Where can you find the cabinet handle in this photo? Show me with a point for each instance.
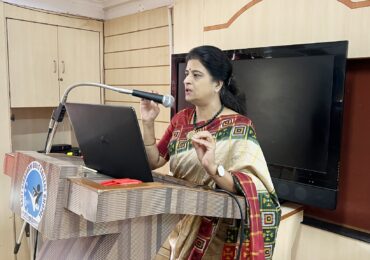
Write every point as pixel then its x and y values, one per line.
pixel 55 66
pixel 60 79
pixel 63 67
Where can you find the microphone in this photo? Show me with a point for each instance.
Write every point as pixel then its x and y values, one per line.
pixel 166 100
pixel 58 113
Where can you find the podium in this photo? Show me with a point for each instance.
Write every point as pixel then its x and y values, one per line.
pixel 77 218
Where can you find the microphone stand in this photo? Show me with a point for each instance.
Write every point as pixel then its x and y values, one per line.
pixel 58 113
pixel 57 117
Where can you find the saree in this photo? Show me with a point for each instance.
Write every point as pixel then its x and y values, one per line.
pixel 238 150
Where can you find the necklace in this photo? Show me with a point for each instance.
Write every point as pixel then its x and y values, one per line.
pixel 198 128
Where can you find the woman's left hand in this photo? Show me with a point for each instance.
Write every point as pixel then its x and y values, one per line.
pixel 205 146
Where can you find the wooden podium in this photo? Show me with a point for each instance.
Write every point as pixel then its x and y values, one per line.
pixel 80 219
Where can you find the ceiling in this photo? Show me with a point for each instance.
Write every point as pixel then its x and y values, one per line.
pixel 99 9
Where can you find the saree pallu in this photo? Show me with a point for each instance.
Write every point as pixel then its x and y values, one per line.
pixel 237 149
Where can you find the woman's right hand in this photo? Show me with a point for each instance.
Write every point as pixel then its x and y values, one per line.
pixel 149 110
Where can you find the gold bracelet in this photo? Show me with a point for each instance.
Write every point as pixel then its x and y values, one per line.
pixel 150 144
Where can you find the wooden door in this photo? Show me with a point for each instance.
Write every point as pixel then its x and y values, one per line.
pixel 33 64
pixel 79 61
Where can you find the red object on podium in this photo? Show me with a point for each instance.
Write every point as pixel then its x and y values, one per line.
pixel 124 181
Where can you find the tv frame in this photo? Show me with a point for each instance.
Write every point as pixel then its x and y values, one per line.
pixel 298 185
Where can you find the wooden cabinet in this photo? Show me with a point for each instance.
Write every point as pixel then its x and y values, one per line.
pixel 44 60
pixel 33 64
pixel 79 62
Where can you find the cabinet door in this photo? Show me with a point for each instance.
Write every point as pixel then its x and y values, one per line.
pixel 33 61
pixel 79 61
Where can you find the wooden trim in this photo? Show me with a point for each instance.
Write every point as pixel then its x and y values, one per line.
pixel 299 209
pixel 139 49
pixel 136 22
pixel 137 40
pixel 138 67
pixel 141 30
pixel 233 18
pixel 53 24
pixel 355 5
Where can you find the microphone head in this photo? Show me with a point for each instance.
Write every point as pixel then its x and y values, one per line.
pixel 168 101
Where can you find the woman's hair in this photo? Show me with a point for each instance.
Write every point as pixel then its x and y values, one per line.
pixel 220 68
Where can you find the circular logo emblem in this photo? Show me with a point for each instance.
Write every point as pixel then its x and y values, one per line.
pixel 33 194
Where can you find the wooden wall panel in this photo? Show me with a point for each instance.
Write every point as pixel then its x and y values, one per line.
pixel 188 24
pixel 271 23
pixel 138 58
pixel 136 22
pixel 156 37
pixel 261 23
pixel 138 76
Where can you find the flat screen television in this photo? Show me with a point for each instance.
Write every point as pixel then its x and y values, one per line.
pixel 294 96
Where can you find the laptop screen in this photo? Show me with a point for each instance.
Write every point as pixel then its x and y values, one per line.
pixel 110 140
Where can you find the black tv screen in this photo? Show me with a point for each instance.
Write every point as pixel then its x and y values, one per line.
pixel 294 96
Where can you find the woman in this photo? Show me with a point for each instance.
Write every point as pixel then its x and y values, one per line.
pixel 213 144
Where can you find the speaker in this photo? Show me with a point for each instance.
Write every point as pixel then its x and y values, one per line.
pixel 305 194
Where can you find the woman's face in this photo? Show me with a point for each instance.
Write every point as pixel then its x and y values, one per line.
pixel 200 87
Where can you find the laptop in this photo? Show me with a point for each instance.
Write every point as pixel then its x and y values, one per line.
pixel 110 140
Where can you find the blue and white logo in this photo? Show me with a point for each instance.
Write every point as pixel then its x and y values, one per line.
pixel 33 194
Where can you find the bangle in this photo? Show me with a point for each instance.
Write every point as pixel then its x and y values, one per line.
pixel 151 144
